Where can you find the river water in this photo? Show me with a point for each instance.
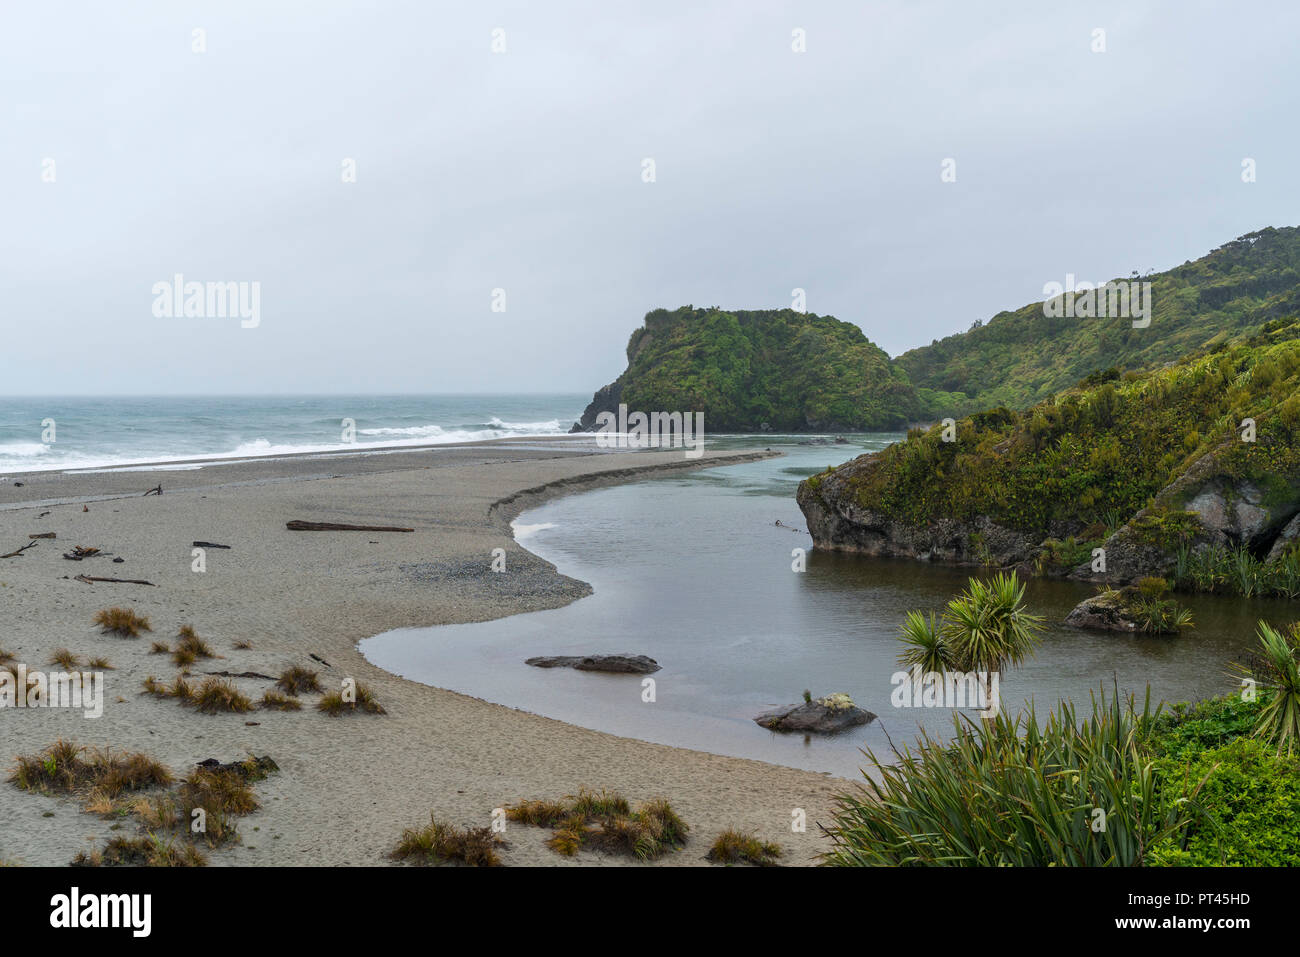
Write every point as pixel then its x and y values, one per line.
pixel 692 570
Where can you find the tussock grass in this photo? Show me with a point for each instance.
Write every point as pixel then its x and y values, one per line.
pixel 275 701
pixel 192 643
pixel 100 664
pixel 147 851
pixel 439 843
pixel 222 792
pixel 733 847
pixel 65 767
pixel 160 648
pixel 212 695
pixel 216 695
pixel 6 657
pixel 605 821
pixel 121 621
pixel 296 679
pixel 334 703
pixel 179 688
pixel 65 659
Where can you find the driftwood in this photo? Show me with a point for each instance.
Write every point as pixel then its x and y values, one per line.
pixel 20 551
pixel 210 545
pixel 116 581
pixel 43 535
pixel 156 490
pixel 315 657
pixel 297 526
pixel 242 674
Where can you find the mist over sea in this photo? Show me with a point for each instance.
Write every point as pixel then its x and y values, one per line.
pixel 50 433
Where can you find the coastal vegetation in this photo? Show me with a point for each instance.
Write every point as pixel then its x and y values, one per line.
pixel 122 622
pixel 296 679
pixel 605 821
pixel 439 843
pixel 737 847
pixel 1191 471
pixel 1021 357
pixel 360 699
pixel 983 630
pixel 66 767
pixel 790 371
pixel 1213 783
pixel 752 371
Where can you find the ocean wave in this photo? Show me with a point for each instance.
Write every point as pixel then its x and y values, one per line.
pixel 35 457
pixel 22 450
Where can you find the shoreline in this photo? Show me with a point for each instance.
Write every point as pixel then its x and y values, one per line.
pixel 295 594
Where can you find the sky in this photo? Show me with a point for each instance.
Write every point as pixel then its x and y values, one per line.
pixel 488 197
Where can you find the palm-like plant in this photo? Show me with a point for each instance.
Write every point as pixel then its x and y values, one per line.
pixel 987 626
pixel 984 629
pixel 1276 669
pixel 925 645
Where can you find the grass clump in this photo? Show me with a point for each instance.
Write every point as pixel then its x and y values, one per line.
pixel 337 702
pixel 277 701
pixel 147 851
pixel 605 821
pixel 296 679
pixel 160 648
pixel 217 695
pixel 64 658
pixel 1012 791
pixel 121 621
pixel 100 664
pixel 734 847
pixel 191 642
pixel 439 843
pixel 179 688
pixel 65 767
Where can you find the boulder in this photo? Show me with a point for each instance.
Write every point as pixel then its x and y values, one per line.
pixel 615 664
pixel 828 715
pixel 1104 612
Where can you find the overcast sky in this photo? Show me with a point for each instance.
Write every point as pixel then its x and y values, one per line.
pixel 522 170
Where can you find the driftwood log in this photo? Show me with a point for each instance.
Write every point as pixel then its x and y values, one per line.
pixel 116 581
pixel 44 535
pixel 210 545
pixel 296 526
pixel 156 490
pixel 20 551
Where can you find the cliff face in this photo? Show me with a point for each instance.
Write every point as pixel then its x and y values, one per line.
pixel 1158 469
pixel 779 371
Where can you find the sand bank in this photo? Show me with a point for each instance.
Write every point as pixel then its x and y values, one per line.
pixel 348 786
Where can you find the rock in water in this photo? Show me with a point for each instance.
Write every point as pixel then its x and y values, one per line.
pixel 617 664
pixel 1107 612
pixel 827 715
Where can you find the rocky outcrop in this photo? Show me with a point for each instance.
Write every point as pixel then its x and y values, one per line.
pixel 837 521
pixel 615 664
pixel 605 400
pixel 1105 612
pixel 828 715
pixel 1211 509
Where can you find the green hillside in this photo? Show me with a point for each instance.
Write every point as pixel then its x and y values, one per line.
pixel 786 370
pixel 1020 357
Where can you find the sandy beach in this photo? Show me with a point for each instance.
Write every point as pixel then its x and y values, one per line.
pixel 348 786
